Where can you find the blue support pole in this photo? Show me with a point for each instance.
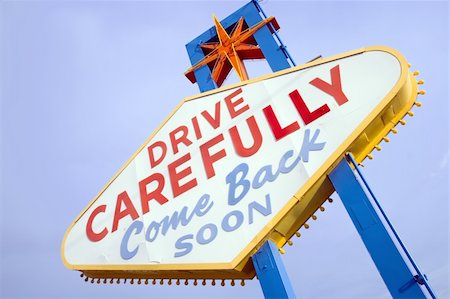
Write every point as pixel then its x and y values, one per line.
pixel 271 272
pixel 282 46
pixel 392 267
pixel 273 54
pixel 420 277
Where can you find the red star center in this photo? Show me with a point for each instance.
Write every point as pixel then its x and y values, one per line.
pixel 230 51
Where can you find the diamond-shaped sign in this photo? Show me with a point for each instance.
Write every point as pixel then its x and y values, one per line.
pixel 233 167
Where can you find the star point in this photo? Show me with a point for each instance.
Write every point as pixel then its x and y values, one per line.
pixel 230 51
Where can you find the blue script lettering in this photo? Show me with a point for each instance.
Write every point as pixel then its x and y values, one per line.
pixel 186 247
pixel 124 252
pixel 263 176
pixel 184 243
pixel 310 145
pixel 202 207
pixel 237 183
pixel 237 180
pixel 267 210
pixel 226 226
pixel 171 222
pixel 201 239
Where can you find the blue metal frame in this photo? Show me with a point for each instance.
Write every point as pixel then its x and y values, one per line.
pixel 282 46
pixel 394 270
pixel 273 53
pixel 271 272
pixel 420 277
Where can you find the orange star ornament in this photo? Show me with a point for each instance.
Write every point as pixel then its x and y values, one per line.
pixel 230 51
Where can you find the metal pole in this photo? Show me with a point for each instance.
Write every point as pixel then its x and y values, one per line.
pixel 271 272
pixel 399 279
pixel 282 46
pixel 420 278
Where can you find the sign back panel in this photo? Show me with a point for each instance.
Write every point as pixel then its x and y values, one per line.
pixel 231 168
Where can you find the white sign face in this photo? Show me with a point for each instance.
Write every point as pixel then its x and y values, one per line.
pixel 210 182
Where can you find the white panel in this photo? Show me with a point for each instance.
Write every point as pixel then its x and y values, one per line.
pixel 366 79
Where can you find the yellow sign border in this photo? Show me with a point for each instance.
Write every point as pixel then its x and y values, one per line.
pixel 387 114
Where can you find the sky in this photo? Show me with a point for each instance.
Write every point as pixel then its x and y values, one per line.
pixel 84 83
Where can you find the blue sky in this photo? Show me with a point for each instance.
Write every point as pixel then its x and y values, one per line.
pixel 84 83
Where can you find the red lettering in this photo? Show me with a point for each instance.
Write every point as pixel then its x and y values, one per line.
pixel 129 209
pixel 275 126
pixel 241 150
pixel 209 159
pixel 198 133
pixel 232 106
pixel 181 139
pixel 176 177
pixel 306 115
pixel 93 236
pixel 335 88
pixel 214 122
pixel 158 144
pixel 155 194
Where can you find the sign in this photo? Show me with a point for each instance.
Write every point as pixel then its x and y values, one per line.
pixel 231 168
